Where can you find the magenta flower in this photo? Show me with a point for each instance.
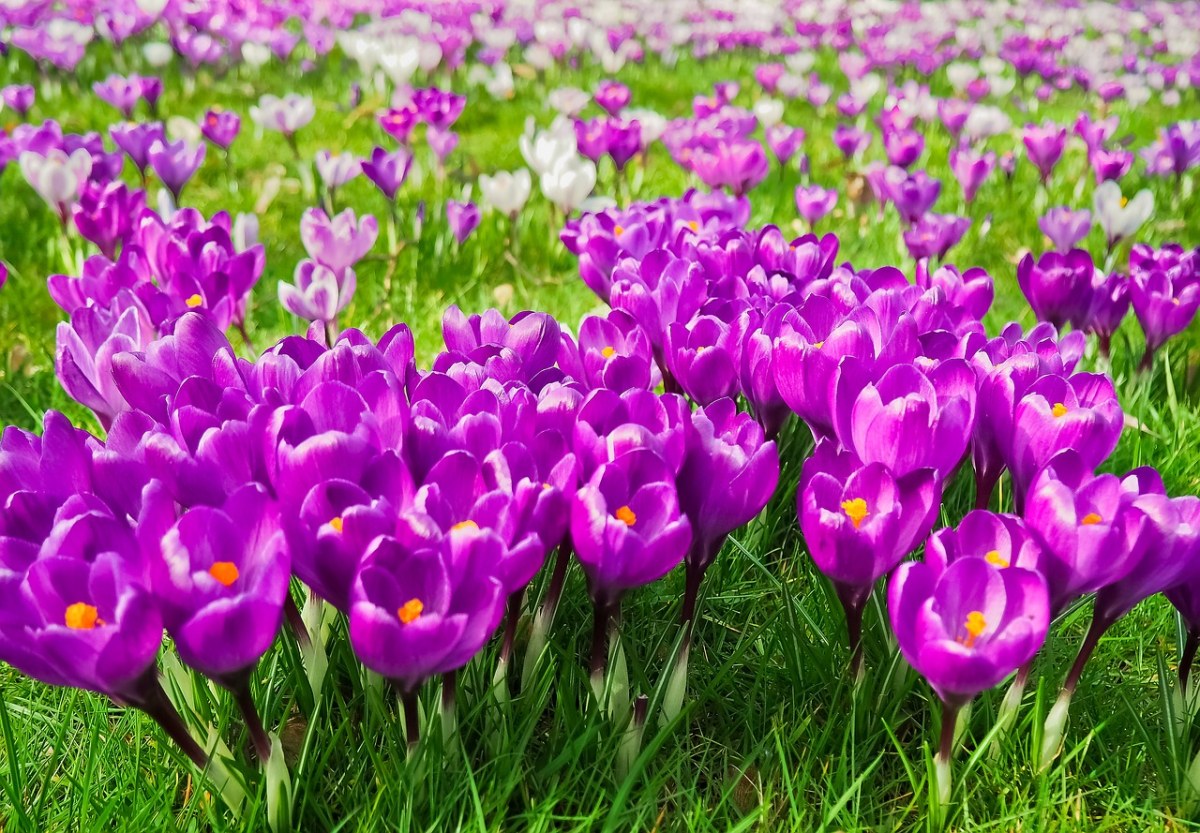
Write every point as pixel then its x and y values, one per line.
pixel 1044 145
pixel 814 202
pixel 463 218
pixel 1064 227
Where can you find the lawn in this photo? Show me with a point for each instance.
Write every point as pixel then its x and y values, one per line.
pixel 774 734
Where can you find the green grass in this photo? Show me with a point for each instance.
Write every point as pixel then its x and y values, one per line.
pixel 773 736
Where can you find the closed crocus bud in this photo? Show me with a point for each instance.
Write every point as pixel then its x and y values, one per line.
pixel 18 97
pixel 221 127
pixel 463 218
pixel 851 140
pixel 859 522
pixel 703 357
pixel 568 182
pixel 626 525
pixel 506 192
pixel 967 626
pixel 1056 413
pixel 612 96
pixel 1110 164
pixel 736 164
pixel 121 93
pixel 1086 535
pixel 907 420
pixel 1044 145
pixel 615 353
pixel 1058 286
pixel 425 606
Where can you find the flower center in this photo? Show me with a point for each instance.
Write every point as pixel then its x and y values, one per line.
pixel 82 616
pixel 994 558
pixel 626 516
pixel 410 611
pixel 817 345
pixel 974 626
pixel 608 352
pixel 464 525
pixel 618 230
pixel 335 523
pixel 1059 410
pixel 1091 519
pixel 693 225
pixel 225 572
pixel 856 510
pixel 194 301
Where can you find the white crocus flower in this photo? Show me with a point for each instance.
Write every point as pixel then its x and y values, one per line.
pixel 768 111
pixel 569 100
pixel 1118 216
pixel 506 192
pixel 569 182
pixel 653 124
pixel 544 148
pixel 56 177
pixel 158 54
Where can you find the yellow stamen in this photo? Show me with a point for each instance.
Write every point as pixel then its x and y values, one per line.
pixel 1124 201
pixel 1091 519
pixel 626 516
pixel 410 610
pixel 856 510
pixel 608 352
pixel 818 344
pixel 336 523
pixel 1059 409
pixel 225 572
pixel 618 230
pixel 693 225
pixel 464 525
pixel 975 626
pixel 996 559
pixel 82 617
pixel 194 301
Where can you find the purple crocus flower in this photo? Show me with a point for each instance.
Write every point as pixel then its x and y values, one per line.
pixel 953 113
pixel 340 242
pixel 388 170
pixel 612 96
pixel 615 353
pixel 903 147
pixel 317 293
pixel 851 140
pixel 438 108
pixel 859 521
pixel 121 93
pixel 1058 286
pixel 175 163
pixel 398 122
pixel 967 625
pixel 105 214
pixel 221 127
pixel 424 605
pixel 912 194
pixel 136 139
pixel 1110 164
pixel 1065 227
pixel 729 473
pixel 736 164
pixel 814 202
pixel 336 170
pixel 784 141
pixel 1095 133
pixel 703 358
pixel 442 141
pixel 1110 304
pixel 463 218
pixel 971 168
pixel 1044 145
pixel 907 420
pixel 933 235
pixel 19 97
pixel 626 525
pixel 1164 304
